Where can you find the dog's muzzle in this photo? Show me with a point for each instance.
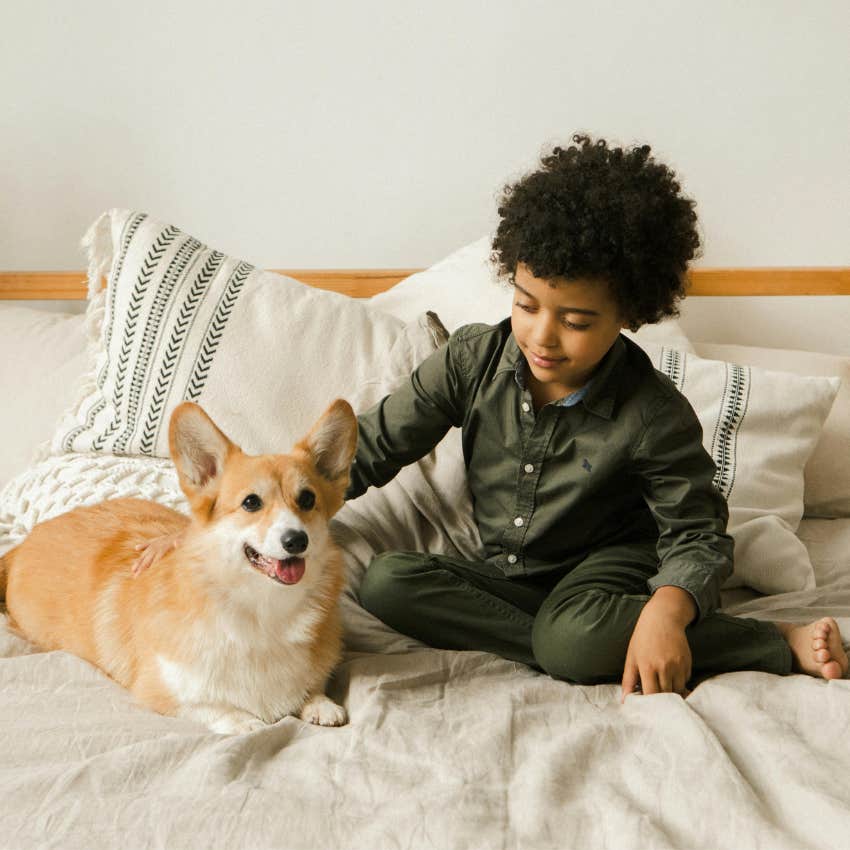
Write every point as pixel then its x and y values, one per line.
pixel 284 571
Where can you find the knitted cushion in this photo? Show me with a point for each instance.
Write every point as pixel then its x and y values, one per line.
pixel 63 482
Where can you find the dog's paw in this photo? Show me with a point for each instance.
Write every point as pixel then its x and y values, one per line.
pixel 323 712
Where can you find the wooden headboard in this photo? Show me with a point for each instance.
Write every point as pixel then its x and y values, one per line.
pixel 363 283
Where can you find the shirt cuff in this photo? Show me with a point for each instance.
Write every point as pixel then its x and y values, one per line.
pixel 703 586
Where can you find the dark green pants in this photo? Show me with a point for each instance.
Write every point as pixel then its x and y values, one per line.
pixel 573 624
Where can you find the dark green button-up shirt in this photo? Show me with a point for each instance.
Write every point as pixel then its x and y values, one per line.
pixel 624 463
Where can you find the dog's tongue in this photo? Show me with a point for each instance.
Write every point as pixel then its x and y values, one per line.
pixel 290 571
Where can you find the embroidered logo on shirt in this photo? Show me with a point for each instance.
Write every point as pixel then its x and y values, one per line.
pixel 585 465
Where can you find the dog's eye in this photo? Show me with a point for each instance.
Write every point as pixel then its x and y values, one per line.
pixel 252 503
pixel 306 500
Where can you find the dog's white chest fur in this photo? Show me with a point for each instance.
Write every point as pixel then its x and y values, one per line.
pixel 259 660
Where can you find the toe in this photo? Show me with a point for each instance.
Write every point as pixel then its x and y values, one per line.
pixel 822 656
pixel 832 670
pixel 818 643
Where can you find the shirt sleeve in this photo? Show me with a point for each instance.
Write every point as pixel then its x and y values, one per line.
pixel 406 424
pixel 694 550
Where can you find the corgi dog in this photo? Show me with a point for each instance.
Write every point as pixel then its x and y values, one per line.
pixel 237 626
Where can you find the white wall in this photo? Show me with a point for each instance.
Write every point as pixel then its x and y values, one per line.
pixel 379 133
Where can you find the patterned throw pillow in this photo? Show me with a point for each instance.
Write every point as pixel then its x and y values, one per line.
pixel 760 427
pixel 262 353
pixel 827 472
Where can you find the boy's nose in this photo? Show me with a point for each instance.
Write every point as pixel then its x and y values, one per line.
pixel 544 332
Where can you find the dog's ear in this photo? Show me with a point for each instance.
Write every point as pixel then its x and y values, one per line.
pixel 332 442
pixel 198 448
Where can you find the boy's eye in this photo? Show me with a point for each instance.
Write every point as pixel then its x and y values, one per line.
pixel 530 308
pixel 306 500
pixel 252 503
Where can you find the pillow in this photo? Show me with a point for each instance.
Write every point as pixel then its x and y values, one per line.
pixel 264 354
pixel 760 427
pixel 827 473
pixel 61 482
pixel 464 288
pixel 42 357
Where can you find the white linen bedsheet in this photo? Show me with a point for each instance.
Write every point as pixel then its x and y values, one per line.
pixel 444 750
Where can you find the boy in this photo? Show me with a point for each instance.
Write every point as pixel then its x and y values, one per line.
pixel 604 537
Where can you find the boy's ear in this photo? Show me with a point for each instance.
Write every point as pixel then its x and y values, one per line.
pixel 198 448
pixel 332 442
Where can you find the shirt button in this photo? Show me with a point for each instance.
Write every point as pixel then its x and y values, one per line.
pixel 526 406
pixel 529 467
pixel 511 559
pixel 518 521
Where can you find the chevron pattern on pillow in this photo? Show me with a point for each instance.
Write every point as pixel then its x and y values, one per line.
pixel 178 320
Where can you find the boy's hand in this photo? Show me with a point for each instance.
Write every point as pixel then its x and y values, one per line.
pixel 153 550
pixel 659 657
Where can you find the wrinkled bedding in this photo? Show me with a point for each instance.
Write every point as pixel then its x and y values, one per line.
pixel 444 749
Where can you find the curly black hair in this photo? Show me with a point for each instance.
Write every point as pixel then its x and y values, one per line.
pixel 604 213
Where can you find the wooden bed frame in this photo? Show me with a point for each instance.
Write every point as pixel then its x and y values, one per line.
pixel 363 283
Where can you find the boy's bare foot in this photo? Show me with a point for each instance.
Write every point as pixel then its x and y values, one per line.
pixel 816 648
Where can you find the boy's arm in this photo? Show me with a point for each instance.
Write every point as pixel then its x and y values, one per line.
pixel 405 425
pixel 694 550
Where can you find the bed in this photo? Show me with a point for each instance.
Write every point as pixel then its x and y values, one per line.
pixel 443 749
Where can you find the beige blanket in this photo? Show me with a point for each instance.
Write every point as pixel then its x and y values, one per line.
pixel 444 750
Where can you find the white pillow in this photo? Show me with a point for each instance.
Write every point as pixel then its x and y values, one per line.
pixel 264 354
pixel 42 358
pixel 827 473
pixel 464 288
pixel 760 427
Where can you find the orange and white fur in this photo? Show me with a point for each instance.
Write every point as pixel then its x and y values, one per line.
pixel 237 626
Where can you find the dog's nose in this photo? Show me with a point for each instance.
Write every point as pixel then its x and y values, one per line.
pixel 295 542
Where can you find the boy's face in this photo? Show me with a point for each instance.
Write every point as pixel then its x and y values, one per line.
pixel 563 330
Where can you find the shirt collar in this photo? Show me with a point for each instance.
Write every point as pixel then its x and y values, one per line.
pixel 601 389
pixel 569 400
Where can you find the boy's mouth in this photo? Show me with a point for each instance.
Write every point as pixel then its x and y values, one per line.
pixel 545 362
pixel 284 571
